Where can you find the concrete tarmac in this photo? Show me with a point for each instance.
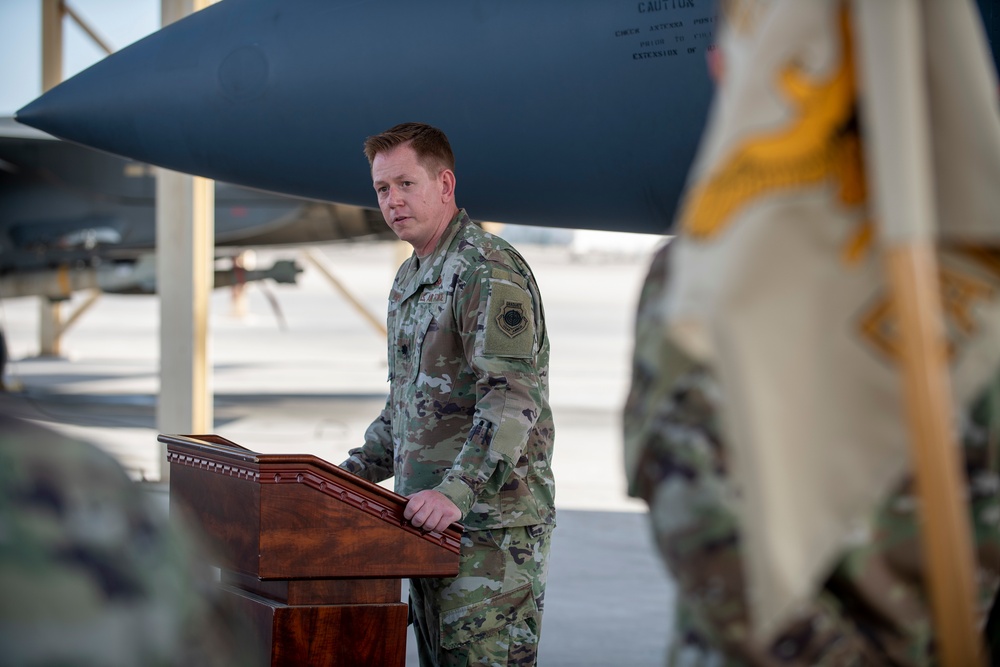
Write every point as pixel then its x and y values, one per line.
pixel 310 378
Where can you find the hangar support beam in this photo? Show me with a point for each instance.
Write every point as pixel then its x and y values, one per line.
pixel 50 319
pixel 185 249
pixel 52 323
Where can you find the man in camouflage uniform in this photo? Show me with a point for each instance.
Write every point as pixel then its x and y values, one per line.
pixel 872 610
pixel 91 570
pixel 466 430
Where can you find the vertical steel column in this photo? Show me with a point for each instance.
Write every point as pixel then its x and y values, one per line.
pixel 50 312
pixel 185 249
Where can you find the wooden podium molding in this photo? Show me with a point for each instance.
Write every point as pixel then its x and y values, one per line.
pixel 313 555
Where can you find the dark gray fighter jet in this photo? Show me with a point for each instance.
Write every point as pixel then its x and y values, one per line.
pixel 72 218
pixel 583 114
pixel 64 206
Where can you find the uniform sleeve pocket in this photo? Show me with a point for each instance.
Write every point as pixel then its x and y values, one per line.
pixel 478 621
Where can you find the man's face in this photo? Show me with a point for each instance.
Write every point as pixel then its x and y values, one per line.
pixel 416 204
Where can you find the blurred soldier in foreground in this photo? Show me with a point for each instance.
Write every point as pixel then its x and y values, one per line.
pixel 91 570
pixel 873 608
pixel 767 421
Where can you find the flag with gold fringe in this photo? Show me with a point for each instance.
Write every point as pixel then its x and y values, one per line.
pixel 778 280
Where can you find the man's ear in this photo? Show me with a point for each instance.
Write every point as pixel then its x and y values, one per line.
pixel 447 177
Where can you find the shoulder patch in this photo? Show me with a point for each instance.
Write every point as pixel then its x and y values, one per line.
pixel 510 323
pixel 511 319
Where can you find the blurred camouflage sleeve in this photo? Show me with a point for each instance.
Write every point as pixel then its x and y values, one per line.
pixel 374 460
pixel 501 327
pixel 92 572
pixel 655 366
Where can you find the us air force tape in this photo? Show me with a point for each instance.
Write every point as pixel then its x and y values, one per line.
pixel 510 324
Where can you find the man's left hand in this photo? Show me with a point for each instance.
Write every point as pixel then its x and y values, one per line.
pixel 431 510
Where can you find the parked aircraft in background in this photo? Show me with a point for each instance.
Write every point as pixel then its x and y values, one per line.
pixel 580 115
pixel 73 218
pixel 70 215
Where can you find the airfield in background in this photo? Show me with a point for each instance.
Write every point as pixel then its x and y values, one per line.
pixel 311 380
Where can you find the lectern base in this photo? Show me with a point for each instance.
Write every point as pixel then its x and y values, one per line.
pixel 341 635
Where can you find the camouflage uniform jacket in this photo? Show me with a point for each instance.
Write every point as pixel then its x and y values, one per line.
pixel 467 412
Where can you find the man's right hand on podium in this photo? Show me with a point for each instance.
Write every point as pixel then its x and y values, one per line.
pixel 431 510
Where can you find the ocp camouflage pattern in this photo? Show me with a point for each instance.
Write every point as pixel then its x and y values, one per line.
pixel 91 570
pixel 871 611
pixel 491 613
pixel 467 412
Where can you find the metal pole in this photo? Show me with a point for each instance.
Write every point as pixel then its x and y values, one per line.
pixel 185 248
pixel 50 312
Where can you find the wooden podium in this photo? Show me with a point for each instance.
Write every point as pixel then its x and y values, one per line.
pixel 312 554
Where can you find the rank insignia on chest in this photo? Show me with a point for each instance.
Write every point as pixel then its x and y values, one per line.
pixel 511 319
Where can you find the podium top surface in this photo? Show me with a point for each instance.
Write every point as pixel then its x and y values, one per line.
pixel 223 457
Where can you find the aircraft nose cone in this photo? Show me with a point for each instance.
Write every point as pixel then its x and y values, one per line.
pixel 83 110
pixel 589 127
pixel 140 101
pixel 222 94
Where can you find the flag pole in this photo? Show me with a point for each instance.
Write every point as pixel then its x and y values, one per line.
pixel 896 130
pixel 945 532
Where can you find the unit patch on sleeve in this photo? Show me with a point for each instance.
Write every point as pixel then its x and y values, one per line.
pixel 510 328
pixel 511 319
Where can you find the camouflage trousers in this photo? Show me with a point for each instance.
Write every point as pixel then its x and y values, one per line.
pixel 491 613
pixel 872 610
